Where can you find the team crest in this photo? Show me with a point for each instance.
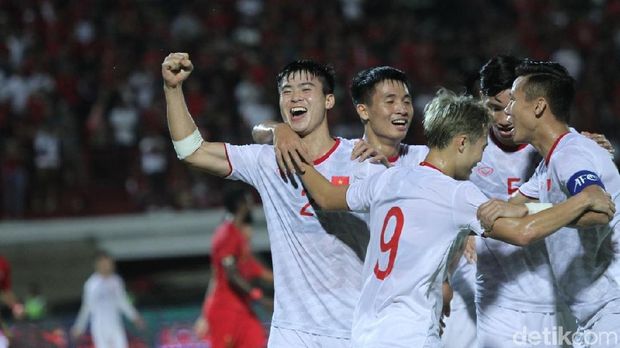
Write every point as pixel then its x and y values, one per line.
pixel 485 171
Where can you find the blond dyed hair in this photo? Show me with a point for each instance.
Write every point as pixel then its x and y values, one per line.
pixel 450 114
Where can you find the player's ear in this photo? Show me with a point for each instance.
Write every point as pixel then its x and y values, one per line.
pixel 330 101
pixel 539 108
pixel 461 141
pixel 362 112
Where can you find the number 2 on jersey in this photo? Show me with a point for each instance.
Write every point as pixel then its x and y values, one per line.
pixel 391 245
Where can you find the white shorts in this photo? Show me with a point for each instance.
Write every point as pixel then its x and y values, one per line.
pixel 507 328
pixel 288 338
pixel 460 330
pixel 109 338
pixel 4 342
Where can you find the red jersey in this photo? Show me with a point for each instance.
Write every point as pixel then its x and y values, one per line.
pixel 228 240
pixel 5 275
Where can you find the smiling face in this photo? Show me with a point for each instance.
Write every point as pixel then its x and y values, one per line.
pixel 521 112
pixel 390 111
pixel 502 126
pixel 303 105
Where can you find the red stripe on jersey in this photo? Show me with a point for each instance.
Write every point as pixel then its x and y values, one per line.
pixel 228 160
pixel 397 156
pixel 530 197
pixel 428 164
pixel 555 144
pixel 328 153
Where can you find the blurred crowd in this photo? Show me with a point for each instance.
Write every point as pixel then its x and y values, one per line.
pixel 82 116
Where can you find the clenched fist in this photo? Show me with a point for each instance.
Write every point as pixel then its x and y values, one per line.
pixel 175 69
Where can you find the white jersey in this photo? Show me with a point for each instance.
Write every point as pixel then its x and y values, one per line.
pixel 418 220
pixel 103 302
pixel 463 283
pixel 317 256
pixel 517 278
pixel 580 258
pixel 408 156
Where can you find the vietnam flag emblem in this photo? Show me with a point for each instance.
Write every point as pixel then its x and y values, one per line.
pixel 340 180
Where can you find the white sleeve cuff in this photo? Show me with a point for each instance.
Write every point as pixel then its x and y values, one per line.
pixel 533 208
pixel 188 145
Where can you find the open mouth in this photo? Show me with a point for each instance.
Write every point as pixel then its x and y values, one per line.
pixel 298 111
pixel 505 131
pixel 401 123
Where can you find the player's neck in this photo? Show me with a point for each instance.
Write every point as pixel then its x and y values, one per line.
pixel 547 136
pixel 387 147
pixel 442 160
pixel 319 141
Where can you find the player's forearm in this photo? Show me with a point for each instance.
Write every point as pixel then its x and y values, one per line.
pixel 180 122
pixel 590 219
pixel 82 319
pixel 263 133
pixel 188 143
pixel 126 307
pixel 519 198
pixel 240 285
pixel 529 229
pixel 325 194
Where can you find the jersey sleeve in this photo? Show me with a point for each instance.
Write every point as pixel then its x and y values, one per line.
pixel 467 199
pixel 84 314
pixel 361 193
pixel 122 300
pixel 365 170
pixel 576 169
pixel 245 160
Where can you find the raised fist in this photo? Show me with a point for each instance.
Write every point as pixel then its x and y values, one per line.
pixel 176 68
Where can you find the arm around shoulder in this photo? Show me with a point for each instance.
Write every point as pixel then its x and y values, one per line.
pixel 325 194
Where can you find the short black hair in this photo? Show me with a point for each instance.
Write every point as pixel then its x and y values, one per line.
pixel 498 74
pixel 363 84
pixel 551 81
pixel 234 196
pixel 324 72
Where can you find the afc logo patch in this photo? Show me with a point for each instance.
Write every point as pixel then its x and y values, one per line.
pixel 581 180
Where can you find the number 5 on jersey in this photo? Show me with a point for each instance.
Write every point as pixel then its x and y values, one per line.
pixel 390 246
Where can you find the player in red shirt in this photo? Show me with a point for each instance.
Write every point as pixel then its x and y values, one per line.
pixel 228 305
pixel 8 297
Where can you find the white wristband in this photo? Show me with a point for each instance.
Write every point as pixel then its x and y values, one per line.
pixel 533 208
pixel 188 145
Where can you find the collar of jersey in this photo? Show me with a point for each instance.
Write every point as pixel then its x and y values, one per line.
pixel 328 153
pixel 555 144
